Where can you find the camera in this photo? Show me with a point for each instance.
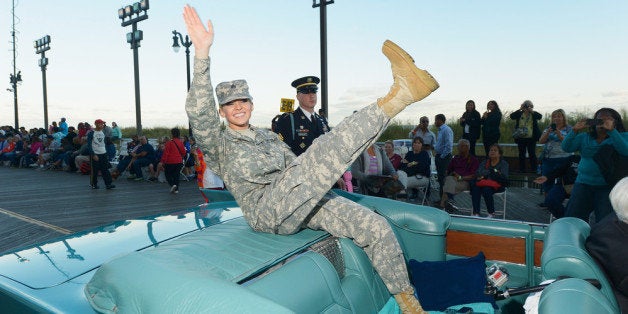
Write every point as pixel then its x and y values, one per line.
pixel 525 106
pixel 594 122
pixel 553 126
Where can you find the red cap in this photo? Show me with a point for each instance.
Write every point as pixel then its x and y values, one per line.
pixel 99 121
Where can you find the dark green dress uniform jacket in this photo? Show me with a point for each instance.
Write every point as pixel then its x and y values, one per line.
pixel 298 131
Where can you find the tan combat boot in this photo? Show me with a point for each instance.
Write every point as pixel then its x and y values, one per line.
pixel 411 84
pixel 408 303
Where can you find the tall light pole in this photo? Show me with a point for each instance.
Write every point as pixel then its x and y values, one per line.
pixel 323 15
pixel 16 76
pixel 131 15
pixel 41 46
pixel 176 36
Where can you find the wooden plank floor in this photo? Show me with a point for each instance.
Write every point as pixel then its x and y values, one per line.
pixel 40 205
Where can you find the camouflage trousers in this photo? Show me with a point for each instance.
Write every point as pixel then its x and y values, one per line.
pixel 298 198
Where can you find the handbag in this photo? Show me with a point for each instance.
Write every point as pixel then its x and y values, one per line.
pixel 488 183
pixel 520 132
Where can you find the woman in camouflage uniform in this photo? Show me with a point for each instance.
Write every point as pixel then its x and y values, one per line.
pixel 281 193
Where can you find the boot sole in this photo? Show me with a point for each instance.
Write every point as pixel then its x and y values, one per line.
pixel 393 52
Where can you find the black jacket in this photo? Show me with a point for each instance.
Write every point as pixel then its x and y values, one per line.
pixel 474 121
pixel 296 130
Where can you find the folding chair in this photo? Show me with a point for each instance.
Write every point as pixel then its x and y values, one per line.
pixel 502 195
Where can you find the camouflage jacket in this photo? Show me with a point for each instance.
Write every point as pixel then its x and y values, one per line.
pixel 247 166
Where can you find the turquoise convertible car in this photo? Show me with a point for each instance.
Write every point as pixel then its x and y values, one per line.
pixel 207 259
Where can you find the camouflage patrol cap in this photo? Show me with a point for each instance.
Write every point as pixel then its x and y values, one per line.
pixel 232 90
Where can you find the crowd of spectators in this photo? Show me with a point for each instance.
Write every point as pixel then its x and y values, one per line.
pixel 65 148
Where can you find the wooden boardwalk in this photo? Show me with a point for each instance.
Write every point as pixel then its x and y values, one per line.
pixel 36 206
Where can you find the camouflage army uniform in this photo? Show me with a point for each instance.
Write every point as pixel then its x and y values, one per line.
pixel 281 193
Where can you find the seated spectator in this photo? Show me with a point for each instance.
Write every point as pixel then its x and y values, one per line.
pixel 415 168
pixel 81 155
pixel 50 149
pixel 144 156
pixel 460 171
pixel 372 170
pixel 154 168
pixel 607 243
pixel 395 159
pixel 125 162
pixel 17 153
pixel 57 135
pixel 58 158
pixel 494 168
pixel 8 147
pixel 33 152
pixel 563 178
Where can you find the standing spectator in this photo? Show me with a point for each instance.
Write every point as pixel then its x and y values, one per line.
pixel 527 118
pixel 471 123
pixel 553 154
pixel 415 168
pixel 443 148
pixel 395 159
pixel 172 160
pixel 491 119
pixel 63 127
pixel 422 130
pixel 460 172
pixel 607 243
pixel 110 146
pixel 590 192
pixel 494 168
pixel 563 178
pixel 116 132
pixel 299 128
pixel 99 162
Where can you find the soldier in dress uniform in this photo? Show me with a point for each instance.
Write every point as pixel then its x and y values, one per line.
pixel 299 128
pixel 281 193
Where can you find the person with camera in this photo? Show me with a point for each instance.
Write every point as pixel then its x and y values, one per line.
pixel 526 133
pixel 553 154
pixel 590 192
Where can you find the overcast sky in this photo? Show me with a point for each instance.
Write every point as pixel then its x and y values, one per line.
pixel 559 54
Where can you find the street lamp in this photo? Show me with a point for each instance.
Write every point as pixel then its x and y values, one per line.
pixel 131 15
pixel 176 36
pixel 41 46
pixel 323 4
pixel 14 79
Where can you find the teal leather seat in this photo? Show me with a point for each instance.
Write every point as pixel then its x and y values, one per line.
pixel 564 254
pixel 574 295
